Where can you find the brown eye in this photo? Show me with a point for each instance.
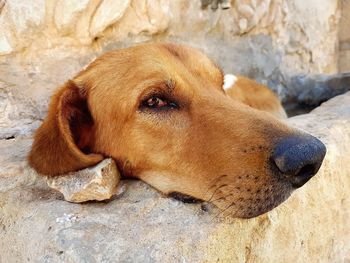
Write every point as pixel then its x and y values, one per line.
pixel 155 102
pixel 158 103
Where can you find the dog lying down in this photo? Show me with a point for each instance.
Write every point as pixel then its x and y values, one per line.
pixel 167 115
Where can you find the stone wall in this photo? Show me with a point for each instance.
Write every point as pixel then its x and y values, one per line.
pixel 269 40
pixel 344 37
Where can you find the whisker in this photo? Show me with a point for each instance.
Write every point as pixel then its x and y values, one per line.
pixel 214 182
pixel 228 211
pixel 222 197
pixel 221 212
pixel 218 188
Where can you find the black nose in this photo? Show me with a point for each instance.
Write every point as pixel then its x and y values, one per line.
pixel 299 158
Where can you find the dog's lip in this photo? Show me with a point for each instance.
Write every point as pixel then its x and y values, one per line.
pixel 278 200
pixel 250 215
pixel 184 198
pixel 280 192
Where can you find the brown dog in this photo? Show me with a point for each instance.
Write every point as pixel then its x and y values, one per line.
pixel 161 112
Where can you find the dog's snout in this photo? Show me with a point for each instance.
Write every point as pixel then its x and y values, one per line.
pixel 299 158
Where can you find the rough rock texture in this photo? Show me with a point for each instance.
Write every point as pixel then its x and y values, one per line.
pixel 344 37
pixel 25 87
pixel 269 40
pixel 99 182
pixel 310 90
pixel 142 225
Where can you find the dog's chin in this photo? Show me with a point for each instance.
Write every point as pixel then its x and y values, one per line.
pixel 262 210
pixel 252 202
pixel 271 202
pixel 247 209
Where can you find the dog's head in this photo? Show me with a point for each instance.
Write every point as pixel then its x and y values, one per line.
pixel 161 112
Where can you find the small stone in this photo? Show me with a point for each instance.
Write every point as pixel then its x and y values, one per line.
pixel 225 4
pixel 5 47
pixel 243 24
pixel 94 183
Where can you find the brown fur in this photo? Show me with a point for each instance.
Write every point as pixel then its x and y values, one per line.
pixel 211 147
pixel 256 96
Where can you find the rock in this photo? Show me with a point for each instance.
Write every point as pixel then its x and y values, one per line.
pixel 344 38
pixel 32 27
pixel 109 12
pixel 99 183
pixel 314 89
pixel 67 14
pixel 5 47
pixel 142 225
pixel 26 86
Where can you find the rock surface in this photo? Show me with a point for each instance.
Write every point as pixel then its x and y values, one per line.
pixel 142 225
pixel 310 90
pixel 96 183
pixel 269 40
pixel 344 38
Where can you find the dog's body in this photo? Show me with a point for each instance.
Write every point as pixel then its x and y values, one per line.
pixel 161 112
pixel 256 96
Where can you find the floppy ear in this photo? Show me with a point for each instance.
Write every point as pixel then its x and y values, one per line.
pixel 61 144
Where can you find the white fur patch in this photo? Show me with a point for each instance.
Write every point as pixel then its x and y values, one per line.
pixel 229 81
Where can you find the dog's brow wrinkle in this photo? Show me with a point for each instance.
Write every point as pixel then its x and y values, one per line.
pixel 172 50
pixel 170 84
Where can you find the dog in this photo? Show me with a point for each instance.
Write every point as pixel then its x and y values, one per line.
pixel 163 112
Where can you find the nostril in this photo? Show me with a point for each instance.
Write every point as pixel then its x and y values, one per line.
pixel 299 158
pixel 304 175
pixel 306 171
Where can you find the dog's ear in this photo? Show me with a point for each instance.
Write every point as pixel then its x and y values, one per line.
pixel 61 144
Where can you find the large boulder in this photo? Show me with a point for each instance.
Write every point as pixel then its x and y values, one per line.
pixel 142 225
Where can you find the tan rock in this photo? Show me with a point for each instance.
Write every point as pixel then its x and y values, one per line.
pixel 95 183
pixel 67 14
pixel 143 225
pixel 344 38
pixel 5 47
pixel 107 13
pixel 307 43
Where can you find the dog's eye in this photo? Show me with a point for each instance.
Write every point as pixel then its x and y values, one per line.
pixel 155 102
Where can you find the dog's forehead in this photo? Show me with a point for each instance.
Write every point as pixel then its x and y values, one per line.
pixel 130 67
pixel 185 64
pixel 166 61
pixel 194 59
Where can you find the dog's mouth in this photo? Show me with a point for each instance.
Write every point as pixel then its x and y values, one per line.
pixel 188 199
pixel 241 201
pixel 247 206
